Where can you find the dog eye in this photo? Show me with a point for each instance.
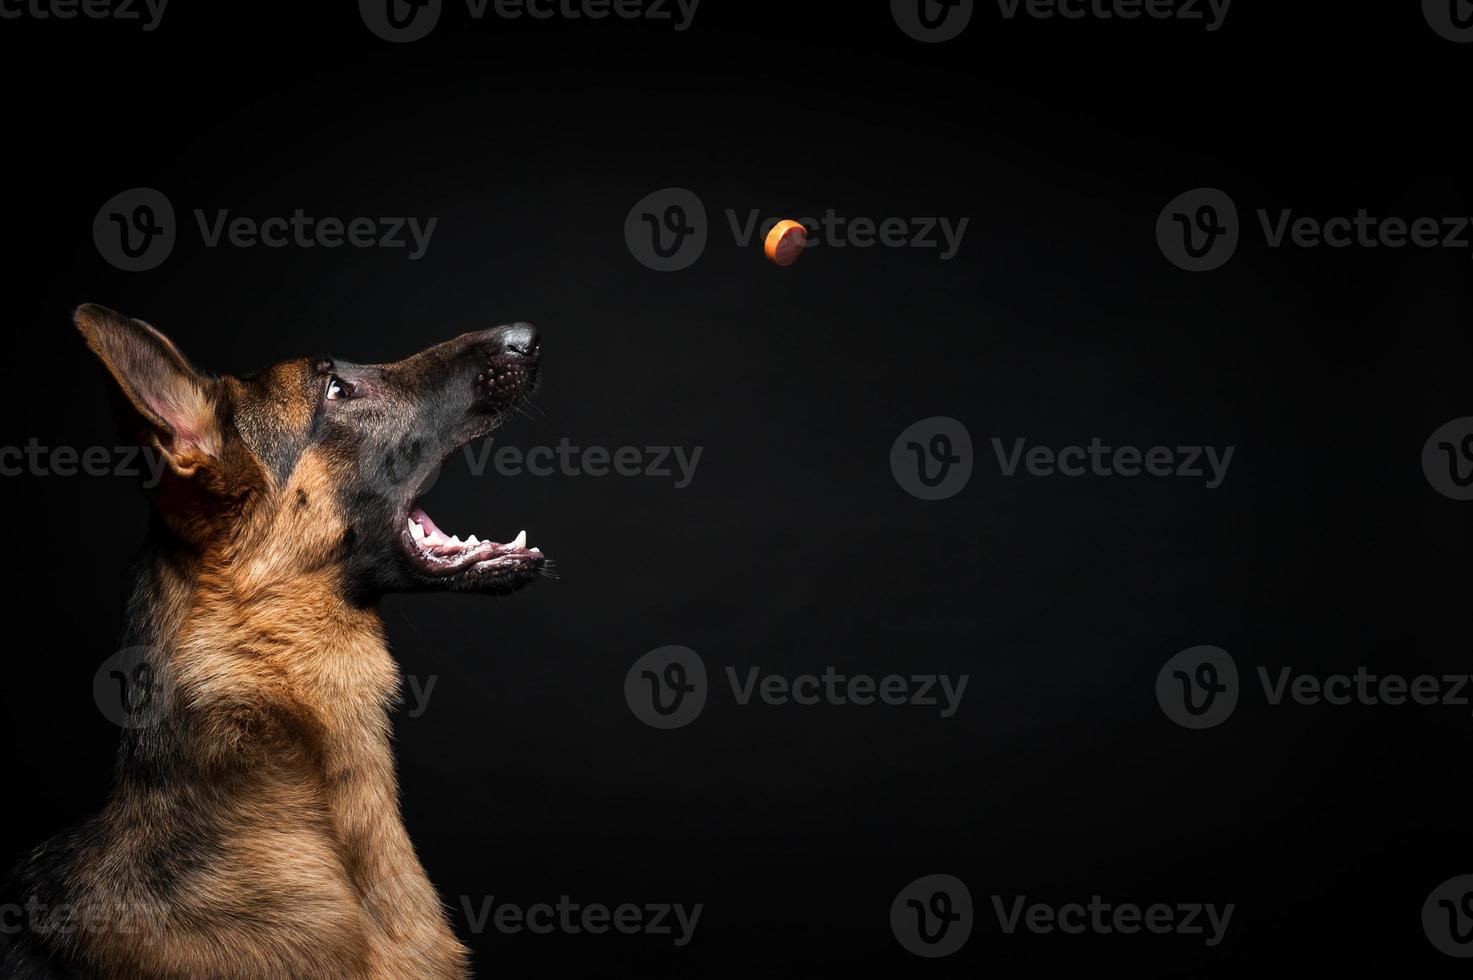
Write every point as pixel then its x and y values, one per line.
pixel 338 389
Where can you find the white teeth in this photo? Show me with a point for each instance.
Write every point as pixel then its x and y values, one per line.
pixel 436 539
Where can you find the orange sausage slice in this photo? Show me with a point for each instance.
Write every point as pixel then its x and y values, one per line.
pixel 785 243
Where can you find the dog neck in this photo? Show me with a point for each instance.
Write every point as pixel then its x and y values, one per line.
pixel 259 803
pixel 274 697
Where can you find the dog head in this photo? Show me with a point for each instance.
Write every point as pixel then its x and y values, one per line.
pixel 313 466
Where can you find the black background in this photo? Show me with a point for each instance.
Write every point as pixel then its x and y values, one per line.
pixel 528 777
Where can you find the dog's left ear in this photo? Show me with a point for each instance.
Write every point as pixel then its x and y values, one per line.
pixel 178 406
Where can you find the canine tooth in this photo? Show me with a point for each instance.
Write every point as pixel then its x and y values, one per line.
pixel 520 541
pixel 416 532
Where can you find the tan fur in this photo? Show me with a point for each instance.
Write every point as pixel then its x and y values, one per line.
pixel 288 687
pixel 254 832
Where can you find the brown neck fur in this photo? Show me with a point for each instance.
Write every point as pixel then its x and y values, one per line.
pixel 262 807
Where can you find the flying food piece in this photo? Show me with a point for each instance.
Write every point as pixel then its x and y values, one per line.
pixel 786 242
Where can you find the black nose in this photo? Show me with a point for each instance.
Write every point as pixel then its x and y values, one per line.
pixel 517 340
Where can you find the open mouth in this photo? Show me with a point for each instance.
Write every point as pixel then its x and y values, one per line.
pixel 442 555
pixel 503 363
pixel 463 561
pixel 446 554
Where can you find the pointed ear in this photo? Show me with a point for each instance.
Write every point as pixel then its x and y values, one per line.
pixel 179 406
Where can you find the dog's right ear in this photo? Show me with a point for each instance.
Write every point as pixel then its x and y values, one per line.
pixel 178 405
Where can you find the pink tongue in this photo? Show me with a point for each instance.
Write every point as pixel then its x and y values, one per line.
pixel 419 517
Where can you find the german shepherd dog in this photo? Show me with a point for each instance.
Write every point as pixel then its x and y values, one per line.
pixel 253 830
